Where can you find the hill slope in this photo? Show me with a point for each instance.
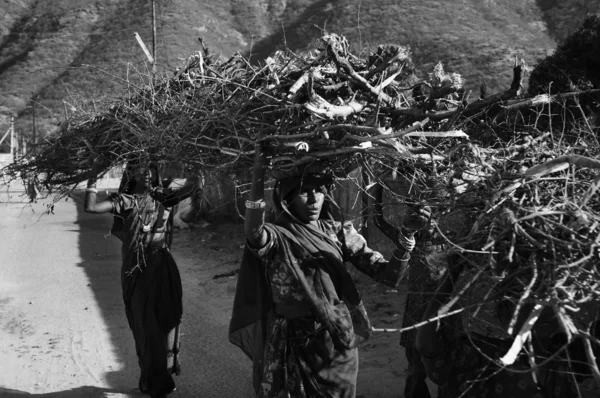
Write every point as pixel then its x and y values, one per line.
pixel 62 51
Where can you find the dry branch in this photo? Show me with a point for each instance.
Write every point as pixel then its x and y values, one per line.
pixel 524 205
pixel 212 111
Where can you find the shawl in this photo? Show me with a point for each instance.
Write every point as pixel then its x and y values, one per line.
pixel 346 320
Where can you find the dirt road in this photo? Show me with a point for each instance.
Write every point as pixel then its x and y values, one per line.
pixel 63 331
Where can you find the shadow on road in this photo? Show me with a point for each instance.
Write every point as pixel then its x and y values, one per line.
pixel 79 392
pixel 101 259
pixel 211 365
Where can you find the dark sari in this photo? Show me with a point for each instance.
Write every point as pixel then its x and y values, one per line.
pixel 297 313
pixel 151 285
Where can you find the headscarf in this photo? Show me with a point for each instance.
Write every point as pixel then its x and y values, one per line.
pixel 127 187
pixel 127 184
pixel 286 187
pixel 346 320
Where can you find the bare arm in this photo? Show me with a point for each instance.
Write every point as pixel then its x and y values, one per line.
pixel 91 204
pixel 255 217
pixel 372 263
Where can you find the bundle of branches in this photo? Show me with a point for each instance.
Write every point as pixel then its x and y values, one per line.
pixel 536 235
pixel 328 105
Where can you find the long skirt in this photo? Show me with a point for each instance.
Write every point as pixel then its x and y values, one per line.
pixel 153 303
pixel 301 361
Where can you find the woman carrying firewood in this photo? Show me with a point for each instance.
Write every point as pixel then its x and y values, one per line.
pixel 421 279
pixel 149 276
pixel 297 313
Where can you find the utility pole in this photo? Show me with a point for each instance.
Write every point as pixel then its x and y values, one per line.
pixel 12 137
pixel 154 39
pixel 33 137
pixel 22 143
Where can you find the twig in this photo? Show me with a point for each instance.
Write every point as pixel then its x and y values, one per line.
pixel 418 325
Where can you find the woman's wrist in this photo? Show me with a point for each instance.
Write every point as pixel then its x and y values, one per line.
pixel 92 182
pixel 406 239
pixel 401 254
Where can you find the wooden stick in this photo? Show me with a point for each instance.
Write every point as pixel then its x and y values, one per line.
pixel 418 325
pixel 591 358
pixel 144 48
pixel 320 107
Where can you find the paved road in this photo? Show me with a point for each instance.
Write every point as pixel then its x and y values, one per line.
pixel 63 331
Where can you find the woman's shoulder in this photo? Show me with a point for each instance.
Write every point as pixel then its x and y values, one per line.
pixel 123 201
pixel 335 226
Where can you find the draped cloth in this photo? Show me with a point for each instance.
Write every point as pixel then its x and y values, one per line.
pixel 151 286
pixel 347 322
pixel 153 305
pixel 251 307
pixel 321 334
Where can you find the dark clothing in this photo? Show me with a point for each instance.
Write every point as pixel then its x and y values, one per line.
pixel 415 385
pixel 152 290
pixel 463 371
pixel 420 289
pixel 153 306
pixel 310 315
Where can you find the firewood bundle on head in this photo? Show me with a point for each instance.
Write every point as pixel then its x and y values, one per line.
pixel 329 105
pixel 531 225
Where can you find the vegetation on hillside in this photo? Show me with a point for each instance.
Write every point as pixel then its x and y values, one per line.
pixel 478 39
pixel 54 53
pixel 575 65
pixel 50 44
pixel 564 17
pixel 528 203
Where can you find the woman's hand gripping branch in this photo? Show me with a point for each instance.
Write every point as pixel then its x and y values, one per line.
pixel 417 217
pixel 256 235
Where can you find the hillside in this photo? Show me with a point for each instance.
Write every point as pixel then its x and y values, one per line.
pixel 564 17
pixel 61 52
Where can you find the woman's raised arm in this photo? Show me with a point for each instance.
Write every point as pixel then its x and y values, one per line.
pixel 255 205
pixel 371 262
pixel 91 204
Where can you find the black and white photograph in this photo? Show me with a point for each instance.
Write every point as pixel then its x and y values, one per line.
pixel 300 199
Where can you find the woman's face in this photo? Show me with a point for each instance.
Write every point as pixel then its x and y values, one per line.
pixel 306 203
pixel 143 176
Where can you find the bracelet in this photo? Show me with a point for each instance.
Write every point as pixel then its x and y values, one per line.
pixel 407 243
pixel 259 204
pixel 91 189
pixel 401 259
